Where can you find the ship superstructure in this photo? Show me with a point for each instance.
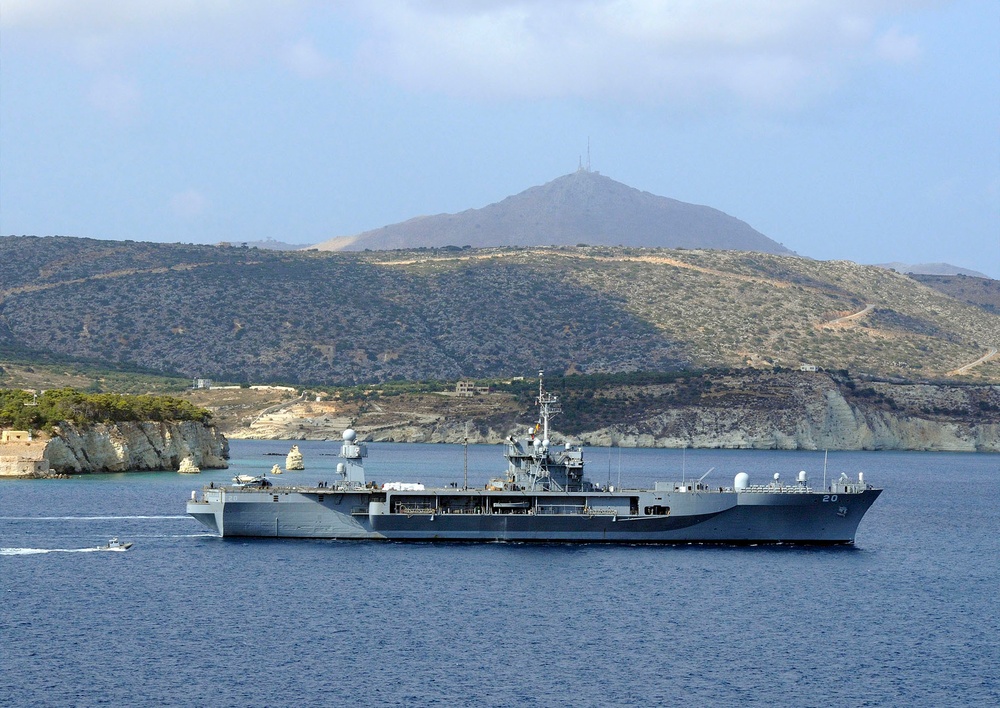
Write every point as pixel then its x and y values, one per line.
pixel 544 496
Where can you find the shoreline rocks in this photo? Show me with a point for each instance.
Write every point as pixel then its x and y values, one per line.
pixel 135 447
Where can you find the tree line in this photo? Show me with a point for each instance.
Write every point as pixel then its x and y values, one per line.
pixel 26 411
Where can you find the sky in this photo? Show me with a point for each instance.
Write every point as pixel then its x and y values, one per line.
pixel 866 130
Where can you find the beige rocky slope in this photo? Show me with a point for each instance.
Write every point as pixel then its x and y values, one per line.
pixel 757 410
pixel 127 447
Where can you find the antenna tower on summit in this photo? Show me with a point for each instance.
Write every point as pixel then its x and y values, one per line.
pixel 581 167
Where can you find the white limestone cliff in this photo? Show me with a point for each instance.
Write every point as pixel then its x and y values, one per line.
pixel 126 447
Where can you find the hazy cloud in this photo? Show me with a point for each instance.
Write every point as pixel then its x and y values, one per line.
pixel 646 49
pixel 188 204
pixel 130 16
pixel 116 97
pixel 103 33
pixel 897 48
pixel 305 60
pixel 763 51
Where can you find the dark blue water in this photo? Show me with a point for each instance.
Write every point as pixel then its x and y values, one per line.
pixel 907 617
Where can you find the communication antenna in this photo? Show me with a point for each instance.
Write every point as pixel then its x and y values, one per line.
pixel 825 453
pixel 465 444
pixel 609 459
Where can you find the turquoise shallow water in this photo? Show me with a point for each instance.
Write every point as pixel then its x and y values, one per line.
pixel 906 617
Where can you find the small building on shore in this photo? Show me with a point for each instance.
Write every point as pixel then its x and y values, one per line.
pixel 468 389
pixel 22 455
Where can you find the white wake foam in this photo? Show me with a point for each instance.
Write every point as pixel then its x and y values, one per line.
pixel 88 518
pixel 37 551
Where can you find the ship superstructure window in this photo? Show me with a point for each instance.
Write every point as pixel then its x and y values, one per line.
pixel 275 497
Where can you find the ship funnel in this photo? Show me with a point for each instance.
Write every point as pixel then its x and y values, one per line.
pixel 741 482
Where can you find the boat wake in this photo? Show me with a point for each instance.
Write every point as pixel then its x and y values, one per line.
pixel 39 551
pixel 90 518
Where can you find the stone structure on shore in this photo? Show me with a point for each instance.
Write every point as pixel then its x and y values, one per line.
pixel 22 455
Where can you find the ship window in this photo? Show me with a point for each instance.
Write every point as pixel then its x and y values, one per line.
pixel 319 498
pixel 275 497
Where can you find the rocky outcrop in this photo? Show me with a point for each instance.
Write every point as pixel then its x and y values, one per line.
pixel 816 415
pixel 807 410
pixel 836 426
pixel 294 459
pixel 768 411
pixel 133 447
pixel 870 431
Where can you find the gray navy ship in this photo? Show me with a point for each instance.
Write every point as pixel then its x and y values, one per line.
pixel 543 497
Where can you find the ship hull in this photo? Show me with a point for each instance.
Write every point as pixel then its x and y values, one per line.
pixel 725 517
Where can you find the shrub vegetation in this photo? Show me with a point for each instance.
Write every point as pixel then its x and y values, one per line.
pixel 20 410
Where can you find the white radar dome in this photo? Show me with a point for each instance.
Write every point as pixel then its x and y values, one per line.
pixel 802 476
pixel 350 435
pixel 741 482
pixel 341 468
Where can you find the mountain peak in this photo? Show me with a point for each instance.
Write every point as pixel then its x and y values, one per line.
pixel 581 207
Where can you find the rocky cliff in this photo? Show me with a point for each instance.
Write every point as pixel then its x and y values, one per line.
pixel 832 423
pixel 817 411
pixel 133 447
pixel 736 409
pixel 836 426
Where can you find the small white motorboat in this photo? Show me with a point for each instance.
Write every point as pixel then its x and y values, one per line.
pixel 115 545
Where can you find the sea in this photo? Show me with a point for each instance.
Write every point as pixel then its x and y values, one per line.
pixel 908 616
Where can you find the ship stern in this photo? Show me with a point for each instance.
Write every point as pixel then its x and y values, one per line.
pixel 207 510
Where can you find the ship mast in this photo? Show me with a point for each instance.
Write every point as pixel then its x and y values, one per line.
pixel 548 407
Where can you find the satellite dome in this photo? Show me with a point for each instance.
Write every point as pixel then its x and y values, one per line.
pixel 741 482
pixel 350 435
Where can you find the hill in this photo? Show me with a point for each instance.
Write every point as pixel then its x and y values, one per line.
pixel 931 269
pixel 981 292
pixel 582 207
pixel 719 408
pixel 341 318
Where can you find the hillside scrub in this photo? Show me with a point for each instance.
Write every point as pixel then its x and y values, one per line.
pixel 342 319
